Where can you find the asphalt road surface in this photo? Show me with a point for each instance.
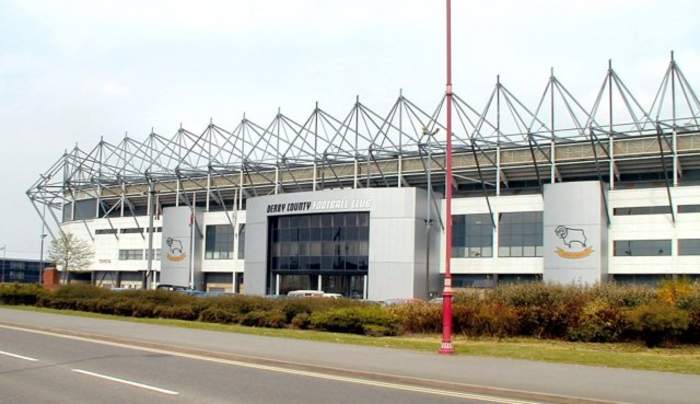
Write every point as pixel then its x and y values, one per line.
pixel 37 368
pixel 60 358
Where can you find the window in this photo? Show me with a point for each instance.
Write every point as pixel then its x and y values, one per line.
pixel 520 234
pixel 132 230
pixel 688 208
pixel 86 209
pixel 67 212
pixel 219 242
pixel 689 246
pixel 241 241
pixel 106 231
pixel 472 236
pixel 156 254
pixel 337 242
pixel 130 255
pixel 642 248
pixel 642 210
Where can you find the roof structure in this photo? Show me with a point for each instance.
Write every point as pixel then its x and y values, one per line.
pixel 501 142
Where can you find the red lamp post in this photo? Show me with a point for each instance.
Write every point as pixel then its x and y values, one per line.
pixel 446 347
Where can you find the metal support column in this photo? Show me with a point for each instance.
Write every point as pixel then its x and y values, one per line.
pixel 498 170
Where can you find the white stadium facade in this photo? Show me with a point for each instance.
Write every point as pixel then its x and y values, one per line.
pixel 558 191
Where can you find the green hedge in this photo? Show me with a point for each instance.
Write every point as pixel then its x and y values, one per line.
pixel 667 315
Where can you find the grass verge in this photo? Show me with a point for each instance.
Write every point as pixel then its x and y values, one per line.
pixel 685 359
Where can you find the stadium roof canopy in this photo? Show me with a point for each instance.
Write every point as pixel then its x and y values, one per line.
pixel 501 141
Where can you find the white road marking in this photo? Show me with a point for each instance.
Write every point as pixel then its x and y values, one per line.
pixel 318 375
pixel 26 358
pixel 130 383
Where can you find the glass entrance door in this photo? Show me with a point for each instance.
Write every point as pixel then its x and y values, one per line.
pixel 352 286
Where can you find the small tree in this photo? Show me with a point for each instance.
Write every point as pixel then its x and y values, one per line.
pixel 70 254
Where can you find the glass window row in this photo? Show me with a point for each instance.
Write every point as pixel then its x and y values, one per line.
pixel 649 248
pixel 519 235
pixel 320 234
pixel 323 220
pixel 339 248
pixel 138 254
pixel 219 242
pixel 319 242
pixel 317 263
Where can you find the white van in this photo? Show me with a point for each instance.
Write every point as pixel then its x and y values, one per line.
pixel 305 293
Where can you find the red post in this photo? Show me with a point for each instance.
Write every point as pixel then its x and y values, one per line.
pixel 446 347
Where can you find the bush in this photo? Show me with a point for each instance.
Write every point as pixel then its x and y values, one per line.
pixel 658 323
pixel 216 314
pixel 356 320
pixel 543 311
pixel 17 293
pixel 605 313
pixel 691 304
pixel 623 296
pixel 182 312
pixel 418 317
pixel 674 291
pixel 599 322
pixel 493 319
pixel 259 318
pixel 292 307
pixel 301 321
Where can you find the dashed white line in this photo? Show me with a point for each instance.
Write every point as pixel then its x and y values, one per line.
pixel 26 358
pixel 389 385
pixel 130 383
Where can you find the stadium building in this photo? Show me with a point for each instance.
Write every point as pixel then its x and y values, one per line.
pixel 556 192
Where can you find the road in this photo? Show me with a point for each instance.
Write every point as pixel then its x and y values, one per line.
pixel 58 358
pixel 38 368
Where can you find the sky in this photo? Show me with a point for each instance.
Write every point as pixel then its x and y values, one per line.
pixel 74 71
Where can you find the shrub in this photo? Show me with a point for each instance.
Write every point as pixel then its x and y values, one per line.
pixel 143 309
pixel 79 291
pixel 673 291
pixel 623 296
pixel 292 307
pixel 691 304
pixel 216 314
pixel 496 320
pixel 259 318
pixel 356 320
pixel 301 321
pixel 543 311
pixel 418 317
pixel 17 293
pixel 375 330
pixel 658 323
pixel 599 322
pixel 181 312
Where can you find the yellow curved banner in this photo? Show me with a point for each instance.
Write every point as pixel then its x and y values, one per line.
pixel 176 258
pixel 574 255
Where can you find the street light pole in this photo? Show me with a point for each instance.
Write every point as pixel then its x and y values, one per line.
pixel 4 259
pixel 41 259
pixel 446 347
pixel 41 253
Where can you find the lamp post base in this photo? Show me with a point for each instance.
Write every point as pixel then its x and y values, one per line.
pixel 446 348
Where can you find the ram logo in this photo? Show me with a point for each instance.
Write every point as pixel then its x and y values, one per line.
pixel 176 252
pixel 574 241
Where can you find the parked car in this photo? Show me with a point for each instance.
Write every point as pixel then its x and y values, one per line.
pixel 172 288
pixel 305 293
pixel 392 302
pixel 314 293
